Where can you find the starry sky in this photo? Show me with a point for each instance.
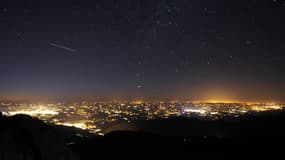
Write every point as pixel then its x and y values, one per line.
pixel 143 49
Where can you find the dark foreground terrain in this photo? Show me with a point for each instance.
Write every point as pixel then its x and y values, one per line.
pixel 26 138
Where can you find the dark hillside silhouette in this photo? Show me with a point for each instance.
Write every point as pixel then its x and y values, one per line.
pixel 23 137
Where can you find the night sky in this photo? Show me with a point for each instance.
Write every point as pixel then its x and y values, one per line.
pixel 143 49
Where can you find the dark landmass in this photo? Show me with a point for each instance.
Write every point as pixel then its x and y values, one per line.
pixel 23 137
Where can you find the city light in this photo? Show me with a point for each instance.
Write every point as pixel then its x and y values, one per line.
pixel 95 116
pixel 34 111
pixel 201 111
pixel 76 125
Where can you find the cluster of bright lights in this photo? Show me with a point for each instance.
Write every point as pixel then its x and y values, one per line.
pixel 266 108
pixel 82 116
pixel 79 124
pixel 201 111
pixel 76 125
pixel 34 111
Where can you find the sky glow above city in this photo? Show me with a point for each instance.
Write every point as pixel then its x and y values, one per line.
pixel 143 50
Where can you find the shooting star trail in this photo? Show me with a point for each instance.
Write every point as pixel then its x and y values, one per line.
pixel 63 47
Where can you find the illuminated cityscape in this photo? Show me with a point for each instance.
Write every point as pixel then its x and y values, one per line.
pixel 141 79
pixel 93 116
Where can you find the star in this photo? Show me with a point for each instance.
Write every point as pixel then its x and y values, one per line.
pixel 248 42
pixel 158 22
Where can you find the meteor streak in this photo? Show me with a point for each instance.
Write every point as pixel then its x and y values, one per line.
pixel 63 47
